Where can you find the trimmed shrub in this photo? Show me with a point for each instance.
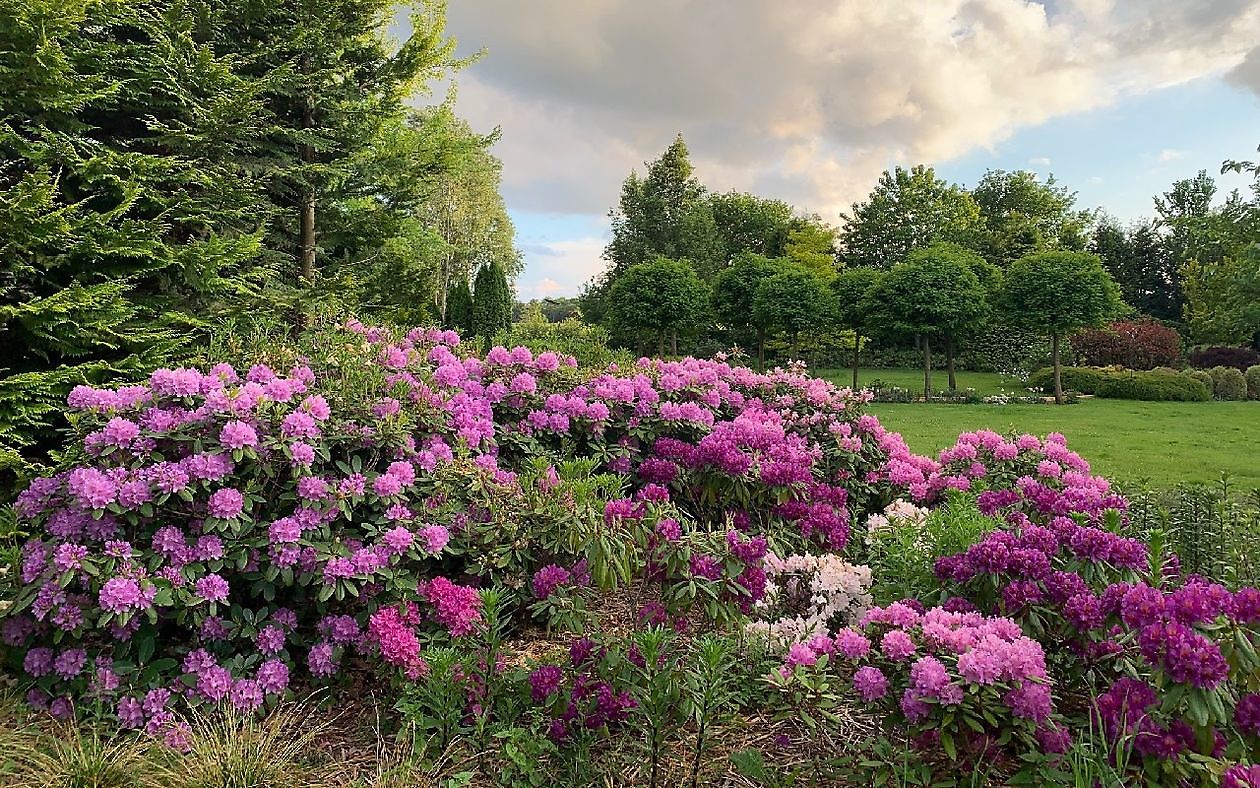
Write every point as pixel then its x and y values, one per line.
pixel 1152 387
pixel 1228 383
pixel 1222 356
pixel 1082 379
pixel 1253 382
pixel 1126 384
pixel 1203 376
pixel 1136 344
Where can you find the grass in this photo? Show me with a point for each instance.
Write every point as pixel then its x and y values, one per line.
pixel 985 383
pixel 1158 442
pixel 1161 443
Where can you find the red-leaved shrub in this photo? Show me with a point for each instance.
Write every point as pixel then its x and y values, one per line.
pixel 1136 344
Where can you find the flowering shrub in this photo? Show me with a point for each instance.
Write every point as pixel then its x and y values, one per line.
pixel 807 595
pixel 900 514
pixel 224 532
pixel 970 684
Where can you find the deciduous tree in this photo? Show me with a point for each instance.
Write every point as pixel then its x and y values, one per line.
pixel 790 301
pixel 734 291
pixel 934 295
pixel 907 210
pixel 660 298
pixel 849 298
pixel 1057 293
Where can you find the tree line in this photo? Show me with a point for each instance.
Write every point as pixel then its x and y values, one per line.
pixel 919 259
pixel 169 166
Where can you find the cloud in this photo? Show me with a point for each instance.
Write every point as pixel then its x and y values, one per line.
pixel 1170 154
pixel 559 267
pixel 1247 73
pixel 808 101
pixel 1039 161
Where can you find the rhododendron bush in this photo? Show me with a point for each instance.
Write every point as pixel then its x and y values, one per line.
pixel 390 504
pixel 223 532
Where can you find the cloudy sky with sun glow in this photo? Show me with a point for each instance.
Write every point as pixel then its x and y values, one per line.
pixel 810 100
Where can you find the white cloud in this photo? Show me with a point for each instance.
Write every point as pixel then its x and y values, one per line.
pixel 809 100
pixel 1170 154
pixel 1039 161
pixel 559 267
pixel 1094 179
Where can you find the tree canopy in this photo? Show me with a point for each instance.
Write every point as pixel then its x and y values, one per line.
pixel 1020 214
pixel 790 301
pixel 934 295
pixel 658 298
pixel 1058 292
pixel 907 210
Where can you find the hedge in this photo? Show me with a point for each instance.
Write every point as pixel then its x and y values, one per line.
pixel 1125 384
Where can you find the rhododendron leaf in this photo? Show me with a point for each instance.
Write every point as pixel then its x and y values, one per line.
pixel 1198 709
pixel 947 744
pixel 1216 706
pixel 145 647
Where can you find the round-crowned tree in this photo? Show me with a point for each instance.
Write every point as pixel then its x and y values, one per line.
pixel 935 295
pixel 1057 293
pixel 848 298
pixel 790 301
pixel 734 291
pixel 659 298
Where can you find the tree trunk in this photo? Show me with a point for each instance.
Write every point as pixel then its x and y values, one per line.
pixel 306 233
pixel 673 343
pixel 927 369
pixel 857 344
pixel 761 350
pixel 795 335
pixel 660 344
pixel 949 362
pixel 1058 377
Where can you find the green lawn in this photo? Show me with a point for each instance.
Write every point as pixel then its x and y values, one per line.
pixel 984 383
pixel 1160 442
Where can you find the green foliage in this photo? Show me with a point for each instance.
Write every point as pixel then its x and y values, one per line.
pixel 1253 382
pixel 1213 528
pixel 1058 292
pixel 1203 376
pixel 902 555
pixel 734 291
pixel 849 296
pixel 124 238
pixel 1021 215
pixel 663 214
pixel 812 246
pixel 492 302
pixel 658 298
pixel 790 301
pixel 1228 383
pixel 1152 386
pixel 934 294
pixel 1146 272
pixel 748 223
pixel 588 344
pixel 907 210
pixel 1223 298
pixel 459 307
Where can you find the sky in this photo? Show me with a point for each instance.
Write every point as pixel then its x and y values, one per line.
pixel 810 100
